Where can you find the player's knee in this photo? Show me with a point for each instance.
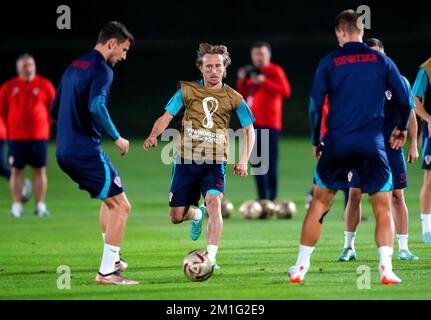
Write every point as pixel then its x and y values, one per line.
pixel 382 211
pixel 39 171
pixel 213 202
pixel 127 208
pixel 397 197
pixel 176 219
pixel 176 216
pixel 323 202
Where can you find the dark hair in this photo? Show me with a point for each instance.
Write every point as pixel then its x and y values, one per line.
pixel 349 20
pixel 261 44
pixel 24 56
pixel 374 42
pixel 115 30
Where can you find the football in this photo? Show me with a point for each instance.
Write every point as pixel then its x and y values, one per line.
pixel 227 209
pixel 197 266
pixel 285 209
pixel 250 209
pixel 268 209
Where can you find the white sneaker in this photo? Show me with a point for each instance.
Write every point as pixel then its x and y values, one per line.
pixel 41 210
pixel 388 276
pixel 16 211
pixel 297 274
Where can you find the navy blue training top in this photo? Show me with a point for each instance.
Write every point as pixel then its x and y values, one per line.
pixel 355 78
pixel 80 109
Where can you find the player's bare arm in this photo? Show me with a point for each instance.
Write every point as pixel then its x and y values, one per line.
pixel 421 112
pixel 241 168
pixel 413 153
pixel 159 126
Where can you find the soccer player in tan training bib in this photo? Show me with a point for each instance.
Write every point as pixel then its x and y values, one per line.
pixel 205 108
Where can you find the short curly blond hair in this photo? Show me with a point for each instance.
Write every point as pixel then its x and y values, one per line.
pixel 206 48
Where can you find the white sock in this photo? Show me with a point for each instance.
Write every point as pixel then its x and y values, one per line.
pixel 403 242
pixel 385 255
pixel 198 214
pixel 110 254
pixel 117 258
pixel 349 239
pixel 41 206
pixel 212 252
pixel 304 255
pixel 426 222
pixel 16 206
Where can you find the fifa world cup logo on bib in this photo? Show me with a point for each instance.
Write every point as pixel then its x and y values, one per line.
pixel 210 106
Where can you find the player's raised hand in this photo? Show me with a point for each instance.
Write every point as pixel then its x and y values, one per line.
pixel 240 169
pixel 123 145
pixel 398 139
pixel 150 142
pixel 412 154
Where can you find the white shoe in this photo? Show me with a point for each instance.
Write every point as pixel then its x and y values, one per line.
pixel 388 276
pixel 297 274
pixel 16 212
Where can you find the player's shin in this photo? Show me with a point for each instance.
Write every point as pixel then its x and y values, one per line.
pixel 215 226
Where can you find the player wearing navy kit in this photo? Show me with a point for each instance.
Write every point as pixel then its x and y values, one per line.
pixel 355 79
pixel 422 93
pixel 81 114
pixel 398 166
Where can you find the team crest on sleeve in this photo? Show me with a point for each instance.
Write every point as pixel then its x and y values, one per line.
pixel 428 159
pixel 350 176
pixel 117 181
pixel 11 160
pixel 210 105
pixel 171 195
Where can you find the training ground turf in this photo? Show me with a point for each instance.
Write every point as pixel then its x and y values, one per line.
pixel 254 255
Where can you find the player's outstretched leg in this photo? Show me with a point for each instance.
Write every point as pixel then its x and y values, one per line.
pixel 311 230
pixel 351 222
pixel 213 201
pixel 426 207
pixel 381 202
pixel 400 214
pixel 119 210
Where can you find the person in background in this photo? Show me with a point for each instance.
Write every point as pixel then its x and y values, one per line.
pixel 264 85
pixel 24 106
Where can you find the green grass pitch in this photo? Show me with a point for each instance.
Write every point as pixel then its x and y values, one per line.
pixel 254 255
